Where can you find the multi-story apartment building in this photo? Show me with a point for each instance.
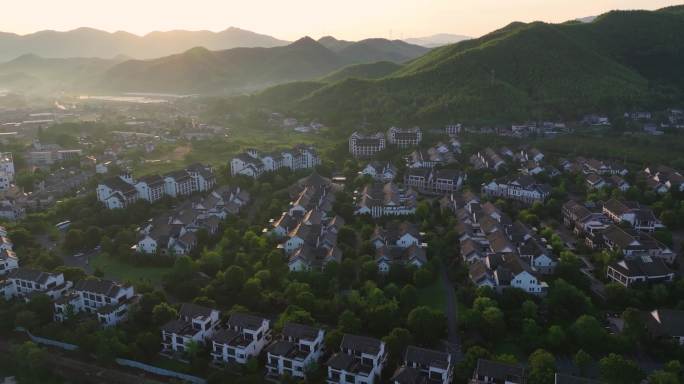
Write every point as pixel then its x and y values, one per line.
pixel 203 178
pixel 298 347
pixel 106 299
pixel 195 324
pixel 243 337
pixel 359 361
pixel 178 183
pixel 423 365
pixel 404 138
pixel 361 145
pixel 151 188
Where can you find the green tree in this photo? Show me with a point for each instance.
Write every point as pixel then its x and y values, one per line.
pixel 163 313
pixel 542 367
pixel 615 369
pixel 397 341
pixel 426 324
pixel 349 322
pixel 582 361
pixel 589 333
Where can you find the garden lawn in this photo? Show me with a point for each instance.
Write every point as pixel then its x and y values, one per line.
pixel 118 270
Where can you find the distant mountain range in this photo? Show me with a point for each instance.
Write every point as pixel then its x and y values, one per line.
pixel 88 42
pixel 437 40
pixel 623 59
pixel 200 70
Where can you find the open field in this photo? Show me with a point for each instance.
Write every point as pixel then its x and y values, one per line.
pixel 118 270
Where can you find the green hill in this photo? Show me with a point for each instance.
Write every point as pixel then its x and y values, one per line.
pixel 363 71
pixel 621 60
pixel 248 69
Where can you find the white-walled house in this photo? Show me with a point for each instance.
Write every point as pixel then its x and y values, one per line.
pixel 423 365
pixel 22 283
pixel 380 171
pixel 359 361
pixel 195 323
pixel 8 261
pixel 361 145
pixel 299 347
pixel 108 300
pixel 117 192
pixel 243 337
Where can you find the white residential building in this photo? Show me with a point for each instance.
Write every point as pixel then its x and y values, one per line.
pixel 379 200
pixel 243 338
pixel 404 138
pixel 195 323
pixel 22 283
pixel 361 145
pixel 423 365
pixel 8 261
pixel 360 361
pixel 151 188
pixel 298 348
pixel 108 300
pixel 178 183
pixel 117 192
pixel 380 171
pixel 524 189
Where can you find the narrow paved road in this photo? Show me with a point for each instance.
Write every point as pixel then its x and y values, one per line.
pixel 452 315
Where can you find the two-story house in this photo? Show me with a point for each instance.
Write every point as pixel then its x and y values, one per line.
pixel 178 183
pixel 8 261
pixel 151 188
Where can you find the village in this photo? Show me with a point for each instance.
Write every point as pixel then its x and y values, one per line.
pixel 273 260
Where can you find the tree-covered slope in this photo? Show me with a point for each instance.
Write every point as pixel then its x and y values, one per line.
pixel 523 71
pixel 363 71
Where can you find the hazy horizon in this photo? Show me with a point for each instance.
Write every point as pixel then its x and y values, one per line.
pixel 354 20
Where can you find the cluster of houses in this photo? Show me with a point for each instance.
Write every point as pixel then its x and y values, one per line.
pixel 398 244
pixel 625 227
pixel 307 231
pixel 104 300
pixel 253 164
pixel 598 174
pixel 425 175
pixel 175 232
pixel 500 253
pixel 359 360
pixel 674 118
pixel 122 191
pixel 662 179
pixel 522 187
pixel 544 128
pixel 367 145
pixel 45 155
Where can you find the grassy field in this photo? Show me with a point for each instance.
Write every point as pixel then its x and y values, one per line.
pixel 117 270
pixel 433 296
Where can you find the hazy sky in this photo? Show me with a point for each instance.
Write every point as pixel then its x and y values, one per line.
pixel 291 19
